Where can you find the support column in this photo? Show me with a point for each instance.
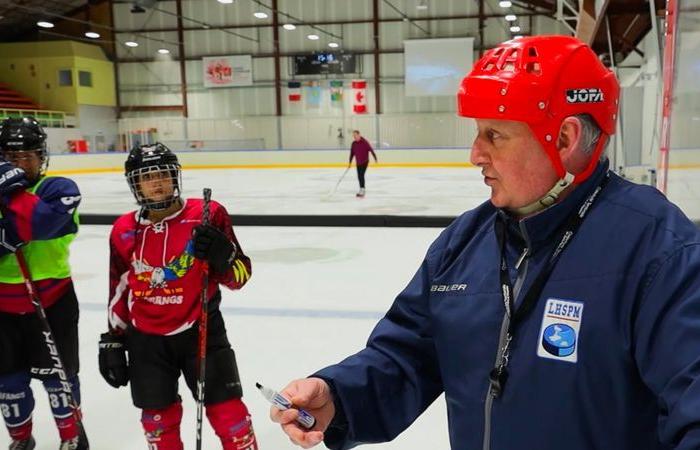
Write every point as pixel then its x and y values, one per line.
pixel 482 25
pixel 669 72
pixel 181 53
pixel 377 72
pixel 115 58
pixel 278 77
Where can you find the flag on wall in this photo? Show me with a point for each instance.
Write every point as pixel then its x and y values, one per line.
pixel 294 88
pixel 359 88
pixel 336 91
pixel 313 94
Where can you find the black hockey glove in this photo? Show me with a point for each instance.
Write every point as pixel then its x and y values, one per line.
pixel 11 178
pixel 113 366
pixel 214 246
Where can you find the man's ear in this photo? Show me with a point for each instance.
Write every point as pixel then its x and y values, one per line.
pixel 574 159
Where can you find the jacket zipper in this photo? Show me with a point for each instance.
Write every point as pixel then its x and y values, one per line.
pixel 503 352
pixel 492 392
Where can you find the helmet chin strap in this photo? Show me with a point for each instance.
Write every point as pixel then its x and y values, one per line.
pixel 548 199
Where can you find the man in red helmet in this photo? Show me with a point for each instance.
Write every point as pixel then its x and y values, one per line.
pixel 562 313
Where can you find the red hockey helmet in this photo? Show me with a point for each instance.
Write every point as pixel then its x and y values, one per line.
pixel 541 80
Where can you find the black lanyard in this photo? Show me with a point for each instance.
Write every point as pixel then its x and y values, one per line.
pixel 499 374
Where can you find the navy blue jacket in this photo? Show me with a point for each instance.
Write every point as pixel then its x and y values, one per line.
pixel 608 359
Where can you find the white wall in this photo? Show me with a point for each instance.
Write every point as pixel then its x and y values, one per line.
pixel 685 119
pixel 57 138
pixel 157 83
pixel 114 162
pixel 227 116
pixel 299 132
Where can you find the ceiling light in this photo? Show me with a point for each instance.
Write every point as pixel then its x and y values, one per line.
pixel 313 37
pixel 225 2
pixel 505 4
pixel 163 51
pixel 422 4
pixel 131 44
pixel 515 29
pixel 260 15
pixel 289 26
pixel 45 24
pixel 92 34
pixel 511 17
pixel 333 45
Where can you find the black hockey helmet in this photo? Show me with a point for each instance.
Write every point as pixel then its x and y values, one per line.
pixel 152 159
pixel 23 135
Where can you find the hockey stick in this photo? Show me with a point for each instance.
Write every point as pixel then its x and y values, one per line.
pixel 338 183
pixel 203 322
pixel 46 331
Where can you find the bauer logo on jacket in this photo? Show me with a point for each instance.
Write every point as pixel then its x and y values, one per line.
pixel 559 334
pixel 448 287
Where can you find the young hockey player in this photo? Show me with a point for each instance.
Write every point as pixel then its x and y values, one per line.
pixel 39 216
pixel 157 259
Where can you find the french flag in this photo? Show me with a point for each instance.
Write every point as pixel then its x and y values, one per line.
pixel 294 91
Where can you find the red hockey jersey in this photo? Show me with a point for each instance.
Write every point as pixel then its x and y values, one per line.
pixel 155 280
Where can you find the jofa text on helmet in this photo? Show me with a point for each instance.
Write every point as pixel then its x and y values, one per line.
pixel 590 95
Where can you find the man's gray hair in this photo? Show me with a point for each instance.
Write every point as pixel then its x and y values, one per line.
pixel 590 134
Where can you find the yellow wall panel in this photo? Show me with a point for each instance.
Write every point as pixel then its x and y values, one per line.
pixel 102 92
pixel 32 68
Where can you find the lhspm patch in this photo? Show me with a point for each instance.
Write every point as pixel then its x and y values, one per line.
pixel 559 334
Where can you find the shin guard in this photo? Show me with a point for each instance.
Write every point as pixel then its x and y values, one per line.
pixel 231 422
pixel 61 408
pixel 17 405
pixel 162 427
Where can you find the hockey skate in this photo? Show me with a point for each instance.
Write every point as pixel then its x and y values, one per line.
pixel 78 443
pixel 361 193
pixel 27 444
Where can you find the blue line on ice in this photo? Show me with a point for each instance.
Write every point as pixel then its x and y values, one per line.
pixel 277 312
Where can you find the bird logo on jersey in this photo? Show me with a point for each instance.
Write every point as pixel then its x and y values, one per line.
pixel 158 277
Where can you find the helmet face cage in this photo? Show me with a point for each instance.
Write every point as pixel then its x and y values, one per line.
pixel 172 174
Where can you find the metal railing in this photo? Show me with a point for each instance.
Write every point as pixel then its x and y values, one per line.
pixel 47 118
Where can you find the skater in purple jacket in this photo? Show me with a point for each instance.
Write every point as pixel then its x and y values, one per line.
pixel 360 150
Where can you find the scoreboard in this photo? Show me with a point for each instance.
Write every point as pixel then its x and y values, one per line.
pixel 322 63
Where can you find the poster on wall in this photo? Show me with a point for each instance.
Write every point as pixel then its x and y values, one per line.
pixel 359 96
pixel 313 94
pixel 227 71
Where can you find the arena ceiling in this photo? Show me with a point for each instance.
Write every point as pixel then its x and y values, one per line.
pixel 628 21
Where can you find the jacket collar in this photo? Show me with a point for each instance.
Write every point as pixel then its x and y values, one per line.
pixel 140 219
pixel 542 226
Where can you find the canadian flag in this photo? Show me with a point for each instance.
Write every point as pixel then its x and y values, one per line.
pixel 359 88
